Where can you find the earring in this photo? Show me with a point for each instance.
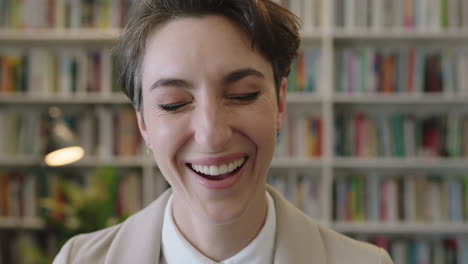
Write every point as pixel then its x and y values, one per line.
pixel 148 149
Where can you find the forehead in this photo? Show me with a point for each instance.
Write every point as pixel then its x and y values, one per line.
pixel 200 47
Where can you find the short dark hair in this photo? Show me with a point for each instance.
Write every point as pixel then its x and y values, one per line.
pixel 273 30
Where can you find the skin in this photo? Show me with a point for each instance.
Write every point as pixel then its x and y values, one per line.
pixel 205 69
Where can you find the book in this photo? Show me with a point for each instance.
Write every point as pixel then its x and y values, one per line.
pixel 413 15
pixel 308 13
pixel 106 135
pixel 301 189
pixel 349 15
pixel 391 198
pixel 301 136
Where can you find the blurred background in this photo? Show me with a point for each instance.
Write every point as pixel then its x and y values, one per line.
pixel 375 144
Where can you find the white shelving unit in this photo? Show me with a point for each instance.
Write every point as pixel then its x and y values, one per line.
pixel 21 223
pixel 61 36
pixel 327 38
pixel 401 228
pixel 396 34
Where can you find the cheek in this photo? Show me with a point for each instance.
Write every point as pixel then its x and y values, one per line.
pixel 260 122
pixel 166 135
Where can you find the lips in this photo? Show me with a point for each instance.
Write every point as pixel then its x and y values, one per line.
pixel 218 172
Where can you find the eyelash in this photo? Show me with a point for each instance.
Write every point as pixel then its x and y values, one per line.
pixel 245 98
pixel 171 107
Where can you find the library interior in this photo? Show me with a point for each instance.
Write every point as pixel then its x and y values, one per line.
pixel 374 145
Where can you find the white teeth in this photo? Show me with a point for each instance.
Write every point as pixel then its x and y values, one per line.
pixel 218 170
pixel 223 169
pixel 214 170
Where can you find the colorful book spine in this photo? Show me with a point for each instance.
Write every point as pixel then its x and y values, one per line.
pixel 305 75
pixel 363 134
pixel 415 15
pixel 106 133
pixel 303 190
pixel 423 249
pixel 63 73
pixel 301 136
pixel 407 199
pixel 401 70
pixel 60 14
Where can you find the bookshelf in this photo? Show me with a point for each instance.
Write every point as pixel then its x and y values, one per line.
pixel 328 31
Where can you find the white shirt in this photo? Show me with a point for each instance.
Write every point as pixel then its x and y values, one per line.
pixel 176 249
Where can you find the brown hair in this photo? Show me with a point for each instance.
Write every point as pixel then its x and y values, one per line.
pixel 272 29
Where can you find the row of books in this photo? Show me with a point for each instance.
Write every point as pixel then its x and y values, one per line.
pixel 59 14
pixel 411 198
pixel 105 132
pixel 402 70
pixel 420 15
pixel 440 250
pixel 118 133
pixel 18 196
pixel 303 190
pixel 305 75
pixel 21 133
pixel 301 136
pixel 309 11
pixel 363 134
pixel 43 72
pixel 22 193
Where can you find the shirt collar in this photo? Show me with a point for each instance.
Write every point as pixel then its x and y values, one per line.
pixel 176 249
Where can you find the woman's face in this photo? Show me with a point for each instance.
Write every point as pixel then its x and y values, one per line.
pixel 210 115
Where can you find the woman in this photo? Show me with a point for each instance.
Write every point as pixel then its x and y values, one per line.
pixel 208 81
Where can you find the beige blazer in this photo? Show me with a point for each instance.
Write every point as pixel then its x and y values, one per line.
pixel 299 240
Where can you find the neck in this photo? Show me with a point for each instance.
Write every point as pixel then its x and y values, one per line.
pixel 221 241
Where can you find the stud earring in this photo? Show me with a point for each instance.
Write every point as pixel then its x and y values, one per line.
pixel 148 149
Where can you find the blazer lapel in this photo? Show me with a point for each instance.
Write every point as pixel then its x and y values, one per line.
pixel 139 240
pixel 298 239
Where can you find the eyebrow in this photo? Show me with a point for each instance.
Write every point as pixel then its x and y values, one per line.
pixel 230 78
pixel 171 82
pixel 237 75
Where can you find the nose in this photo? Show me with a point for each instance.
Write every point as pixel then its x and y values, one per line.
pixel 212 129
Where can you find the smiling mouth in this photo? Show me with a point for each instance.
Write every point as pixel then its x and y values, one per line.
pixel 218 173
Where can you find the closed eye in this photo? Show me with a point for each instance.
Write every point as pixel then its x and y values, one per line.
pixel 245 97
pixel 171 107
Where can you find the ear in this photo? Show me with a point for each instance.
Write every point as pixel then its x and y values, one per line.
pixel 281 102
pixel 142 126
